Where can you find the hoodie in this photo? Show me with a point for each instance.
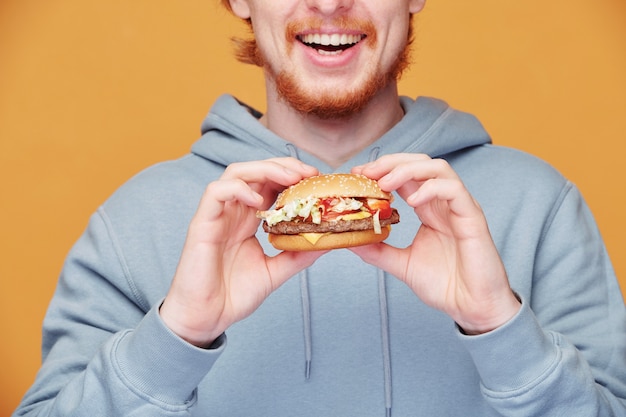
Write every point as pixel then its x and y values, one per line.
pixel 343 338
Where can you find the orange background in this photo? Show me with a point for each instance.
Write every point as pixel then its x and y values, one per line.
pixel 93 91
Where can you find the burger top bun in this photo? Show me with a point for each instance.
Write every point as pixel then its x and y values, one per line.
pixel 333 185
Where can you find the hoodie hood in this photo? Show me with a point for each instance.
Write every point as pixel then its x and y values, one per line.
pixel 231 133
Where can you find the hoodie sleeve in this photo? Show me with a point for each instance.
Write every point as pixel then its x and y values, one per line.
pixel 565 351
pixel 105 352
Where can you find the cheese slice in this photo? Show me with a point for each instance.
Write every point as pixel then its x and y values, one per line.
pixel 356 216
pixel 313 237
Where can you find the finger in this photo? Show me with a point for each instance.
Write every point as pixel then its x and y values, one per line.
pixel 405 173
pixel 386 163
pixel 218 193
pixel 453 191
pixel 271 176
pixel 284 171
pixel 384 256
pixel 237 183
pixel 287 264
pixel 417 171
pixel 447 205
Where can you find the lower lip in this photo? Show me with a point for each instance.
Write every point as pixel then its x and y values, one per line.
pixel 332 60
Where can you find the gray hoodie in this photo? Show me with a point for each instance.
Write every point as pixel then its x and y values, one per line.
pixel 342 338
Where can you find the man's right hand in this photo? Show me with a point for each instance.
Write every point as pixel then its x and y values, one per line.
pixel 223 274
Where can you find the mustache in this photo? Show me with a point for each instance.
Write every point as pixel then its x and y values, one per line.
pixel 344 23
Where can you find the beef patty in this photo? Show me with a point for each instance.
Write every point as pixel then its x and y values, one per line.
pixel 297 226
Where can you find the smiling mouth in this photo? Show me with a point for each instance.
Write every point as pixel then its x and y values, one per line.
pixel 330 44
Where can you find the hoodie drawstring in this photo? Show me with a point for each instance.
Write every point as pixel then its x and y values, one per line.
pixel 306 322
pixel 384 335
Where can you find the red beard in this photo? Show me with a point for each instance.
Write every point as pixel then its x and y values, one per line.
pixel 329 105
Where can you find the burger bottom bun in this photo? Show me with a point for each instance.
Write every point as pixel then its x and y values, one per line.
pixel 329 240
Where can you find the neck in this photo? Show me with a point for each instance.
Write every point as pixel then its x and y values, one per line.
pixel 335 141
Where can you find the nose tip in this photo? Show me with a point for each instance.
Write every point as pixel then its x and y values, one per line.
pixel 329 7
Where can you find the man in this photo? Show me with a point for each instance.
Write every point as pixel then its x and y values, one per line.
pixel 494 296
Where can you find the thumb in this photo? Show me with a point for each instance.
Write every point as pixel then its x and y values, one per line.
pixel 287 264
pixel 383 256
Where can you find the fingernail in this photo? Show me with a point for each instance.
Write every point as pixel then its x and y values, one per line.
pixel 387 177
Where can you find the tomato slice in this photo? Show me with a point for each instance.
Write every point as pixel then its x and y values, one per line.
pixel 383 205
pixel 328 214
pixel 372 204
pixel 331 215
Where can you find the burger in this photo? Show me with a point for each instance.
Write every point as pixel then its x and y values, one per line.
pixel 329 212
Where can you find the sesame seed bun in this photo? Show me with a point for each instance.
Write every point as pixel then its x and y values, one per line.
pixel 333 185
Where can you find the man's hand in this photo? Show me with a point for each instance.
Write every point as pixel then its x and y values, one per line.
pixel 452 264
pixel 223 274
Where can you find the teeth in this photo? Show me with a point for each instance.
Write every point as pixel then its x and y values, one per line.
pixel 323 52
pixel 334 39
